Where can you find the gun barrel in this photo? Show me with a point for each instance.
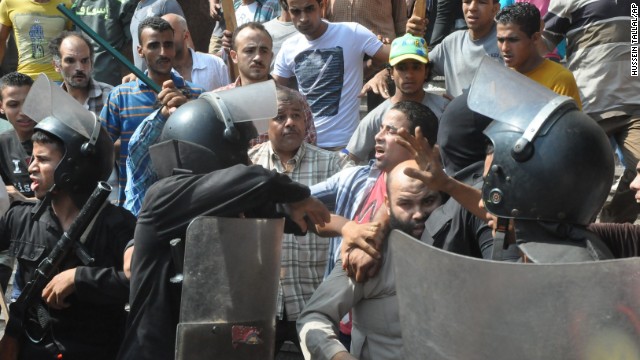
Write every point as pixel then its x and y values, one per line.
pixel 115 53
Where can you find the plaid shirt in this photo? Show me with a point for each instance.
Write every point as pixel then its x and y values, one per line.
pixel 304 258
pixel 129 104
pixel 98 95
pixel 267 9
pixel 310 135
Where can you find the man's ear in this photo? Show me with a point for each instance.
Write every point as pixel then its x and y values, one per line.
pixel 234 55
pixel 386 203
pixel 537 36
pixel 140 51
pixel 56 66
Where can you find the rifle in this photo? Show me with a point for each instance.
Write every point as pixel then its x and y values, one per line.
pixel 113 52
pixel 32 293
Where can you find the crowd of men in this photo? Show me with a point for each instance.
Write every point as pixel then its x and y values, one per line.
pixel 454 170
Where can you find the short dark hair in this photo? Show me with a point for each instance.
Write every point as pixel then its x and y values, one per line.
pixel 154 22
pixel 283 5
pixel 419 115
pixel 43 137
pixel 14 79
pixel 54 44
pixel 525 15
pixel 252 25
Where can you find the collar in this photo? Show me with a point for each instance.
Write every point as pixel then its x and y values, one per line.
pixel 196 60
pixel 294 161
pixel 95 90
pixel 238 82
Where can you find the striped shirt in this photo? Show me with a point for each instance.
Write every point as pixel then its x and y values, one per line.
pixel 267 9
pixel 304 258
pixel 127 106
pixel 598 34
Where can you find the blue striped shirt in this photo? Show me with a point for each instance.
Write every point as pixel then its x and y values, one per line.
pixel 128 104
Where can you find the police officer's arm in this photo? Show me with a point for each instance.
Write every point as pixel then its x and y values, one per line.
pixel 432 174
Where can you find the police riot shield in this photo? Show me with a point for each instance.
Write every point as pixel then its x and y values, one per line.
pixel 230 287
pixel 457 307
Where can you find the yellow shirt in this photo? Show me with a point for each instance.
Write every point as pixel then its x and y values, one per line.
pixel 554 76
pixel 34 25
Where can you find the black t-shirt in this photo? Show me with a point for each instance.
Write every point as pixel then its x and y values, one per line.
pixel 14 162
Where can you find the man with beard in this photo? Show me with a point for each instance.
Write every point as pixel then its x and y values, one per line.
pixel 376 320
pixel 131 102
pixel 73 59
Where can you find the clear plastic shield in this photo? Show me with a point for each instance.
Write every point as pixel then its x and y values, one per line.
pixel 456 307
pixel 256 102
pixel 49 99
pixel 507 96
pixel 230 287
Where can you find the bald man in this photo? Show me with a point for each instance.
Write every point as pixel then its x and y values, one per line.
pixel 376 321
pixel 205 70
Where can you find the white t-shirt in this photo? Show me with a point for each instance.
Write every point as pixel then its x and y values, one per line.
pixel 245 13
pixel 208 71
pixel 329 73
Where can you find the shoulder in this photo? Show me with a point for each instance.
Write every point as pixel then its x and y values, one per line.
pixel 118 216
pixel 257 152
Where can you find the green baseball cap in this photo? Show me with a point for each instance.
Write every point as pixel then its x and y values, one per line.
pixel 408 47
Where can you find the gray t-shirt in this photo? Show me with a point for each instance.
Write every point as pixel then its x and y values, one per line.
pixel 458 57
pixel 145 9
pixel 111 20
pixel 279 31
pixel 362 142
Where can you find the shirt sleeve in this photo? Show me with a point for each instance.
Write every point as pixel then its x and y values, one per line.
pixel 281 66
pixel 369 41
pixel 557 21
pixel 5 19
pixel 436 57
pixel 318 323
pixel 110 116
pixel 140 173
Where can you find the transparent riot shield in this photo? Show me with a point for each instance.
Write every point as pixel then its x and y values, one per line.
pixel 230 287
pixel 457 307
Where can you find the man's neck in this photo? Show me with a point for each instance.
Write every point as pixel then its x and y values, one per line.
pixel 80 94
pixel 65 209
pixel 285 156
pixel 531 64
pixel 400 96
pixel 184 64
pixel 481 33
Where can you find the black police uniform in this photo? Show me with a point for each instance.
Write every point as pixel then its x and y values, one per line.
pixel 168 208
pixel 93 326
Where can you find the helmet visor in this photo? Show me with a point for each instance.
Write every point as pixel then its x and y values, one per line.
pixel 510 97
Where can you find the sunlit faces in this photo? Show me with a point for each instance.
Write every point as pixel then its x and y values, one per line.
pixel 388 152
pixel 518 50
pixel 307 18
pixel 253 54
pixel 44 161
pixel 287 129
pixel 11 105
pixel 479 15
pixel 157 48
pixel 75 64
pixel 409 76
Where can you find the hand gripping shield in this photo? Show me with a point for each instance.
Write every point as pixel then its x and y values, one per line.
pixel 457 307
pixel 230 287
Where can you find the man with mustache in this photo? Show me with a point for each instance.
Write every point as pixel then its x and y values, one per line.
pixel 132 102
pixel 73 58
pixel 304 258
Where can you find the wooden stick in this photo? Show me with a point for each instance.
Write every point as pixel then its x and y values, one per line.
pixel 420 8
pixel 229 13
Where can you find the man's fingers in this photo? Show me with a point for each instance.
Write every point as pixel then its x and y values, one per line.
pixel 418 174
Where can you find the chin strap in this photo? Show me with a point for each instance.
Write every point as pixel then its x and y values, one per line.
pixel 499 243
